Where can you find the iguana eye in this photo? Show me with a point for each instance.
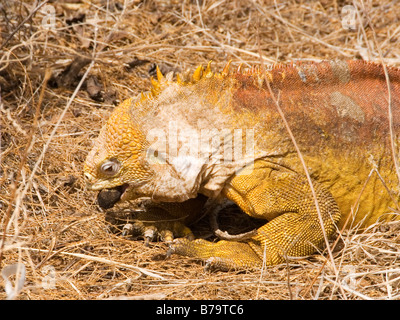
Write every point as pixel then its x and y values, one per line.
pixel 110 167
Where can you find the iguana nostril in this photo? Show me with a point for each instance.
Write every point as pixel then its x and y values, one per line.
pixel 88 177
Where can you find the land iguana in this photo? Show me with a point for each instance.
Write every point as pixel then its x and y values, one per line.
pixel 213 136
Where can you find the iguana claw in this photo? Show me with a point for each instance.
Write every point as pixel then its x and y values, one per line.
pixel 165 231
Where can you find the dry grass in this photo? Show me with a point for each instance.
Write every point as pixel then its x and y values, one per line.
pixel 51 224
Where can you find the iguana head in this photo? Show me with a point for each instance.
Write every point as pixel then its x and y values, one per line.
pixel 119 165
pixel 117 161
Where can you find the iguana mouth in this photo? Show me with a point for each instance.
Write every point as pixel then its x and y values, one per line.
pixel 107 198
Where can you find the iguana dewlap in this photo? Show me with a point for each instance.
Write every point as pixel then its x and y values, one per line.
pixel 220 135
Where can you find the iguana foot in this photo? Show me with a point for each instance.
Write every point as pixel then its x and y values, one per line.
pixel 222 255
pixel 150 230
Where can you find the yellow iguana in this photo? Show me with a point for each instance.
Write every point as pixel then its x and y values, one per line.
pixel 221 136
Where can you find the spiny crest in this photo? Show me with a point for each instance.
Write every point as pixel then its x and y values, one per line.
pixel 162 82
pixel 200 73
pixel 277 71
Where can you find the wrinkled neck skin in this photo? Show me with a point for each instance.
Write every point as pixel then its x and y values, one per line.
pixel 167 185
pixel 193 145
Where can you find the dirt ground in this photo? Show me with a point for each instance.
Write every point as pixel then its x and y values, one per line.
pixel 64 65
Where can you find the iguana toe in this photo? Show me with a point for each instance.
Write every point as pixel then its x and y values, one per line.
pixel 165 231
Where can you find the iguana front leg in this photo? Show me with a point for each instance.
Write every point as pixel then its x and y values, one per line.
pixel 282 197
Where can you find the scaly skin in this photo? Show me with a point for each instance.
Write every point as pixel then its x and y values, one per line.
pixel 338 113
